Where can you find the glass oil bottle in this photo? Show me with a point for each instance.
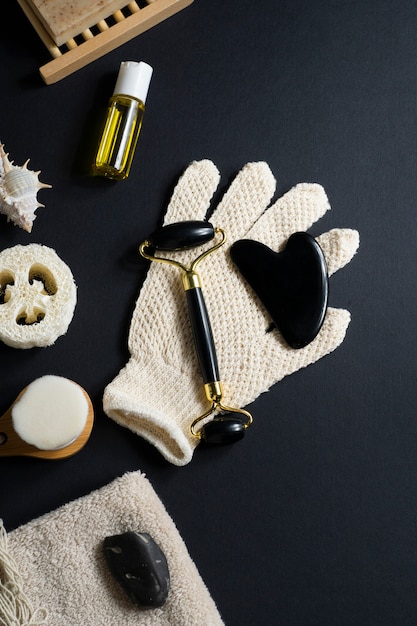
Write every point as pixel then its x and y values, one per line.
pixel 116 148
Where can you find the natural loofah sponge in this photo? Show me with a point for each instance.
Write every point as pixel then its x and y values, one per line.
pixel 37 296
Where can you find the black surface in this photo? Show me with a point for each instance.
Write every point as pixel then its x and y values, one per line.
pixel 311 519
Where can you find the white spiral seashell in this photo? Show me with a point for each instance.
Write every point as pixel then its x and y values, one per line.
pixel 18 191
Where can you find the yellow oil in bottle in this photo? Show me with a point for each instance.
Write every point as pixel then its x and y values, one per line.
pixel 116 148
pixel 119 138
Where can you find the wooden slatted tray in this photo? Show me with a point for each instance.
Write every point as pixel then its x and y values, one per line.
pixel 101 38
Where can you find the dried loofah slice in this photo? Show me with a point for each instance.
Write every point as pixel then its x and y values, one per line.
pixel 18 191
pixel 37 296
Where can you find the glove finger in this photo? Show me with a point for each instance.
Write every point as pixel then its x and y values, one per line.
pixel 331 335
pixel 339 246
pixel 272 359
pixel 295 211
pixel 192 195
pixel 245 200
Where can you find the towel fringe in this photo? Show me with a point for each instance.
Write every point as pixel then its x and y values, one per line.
pixel 15 607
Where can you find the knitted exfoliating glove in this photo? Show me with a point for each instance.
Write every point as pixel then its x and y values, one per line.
pixel 160 391
pixel 56 563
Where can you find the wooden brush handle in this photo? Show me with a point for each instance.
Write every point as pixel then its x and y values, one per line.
pixel 12 445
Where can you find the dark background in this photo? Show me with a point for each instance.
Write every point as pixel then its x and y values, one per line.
pixel 311 520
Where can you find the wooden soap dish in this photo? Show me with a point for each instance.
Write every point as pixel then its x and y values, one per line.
pixel 91 44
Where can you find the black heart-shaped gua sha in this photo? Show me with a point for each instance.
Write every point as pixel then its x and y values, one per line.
pixel 292 284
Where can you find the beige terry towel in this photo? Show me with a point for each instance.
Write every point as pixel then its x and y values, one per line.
pixel 52 570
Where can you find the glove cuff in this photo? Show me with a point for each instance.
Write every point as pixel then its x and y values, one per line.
pixel 158 404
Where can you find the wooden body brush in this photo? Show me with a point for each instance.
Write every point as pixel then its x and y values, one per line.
pixel 51 418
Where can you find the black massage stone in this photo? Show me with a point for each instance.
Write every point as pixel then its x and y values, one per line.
pixel 292 284
pixel 223 430
pixel 182 235
pixel 139 565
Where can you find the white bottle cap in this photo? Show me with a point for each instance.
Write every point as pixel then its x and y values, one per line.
pixel 133 79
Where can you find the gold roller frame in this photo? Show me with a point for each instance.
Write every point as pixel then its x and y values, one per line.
pixel 101 38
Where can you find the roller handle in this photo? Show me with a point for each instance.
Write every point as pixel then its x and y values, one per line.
pixel 203 335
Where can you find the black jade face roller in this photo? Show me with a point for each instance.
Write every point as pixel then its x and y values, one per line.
pixel 229 426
